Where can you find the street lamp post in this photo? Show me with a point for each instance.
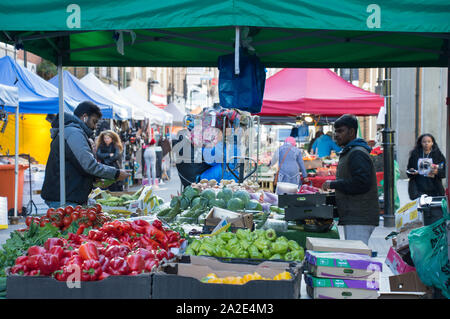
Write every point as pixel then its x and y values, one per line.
pixel 388 150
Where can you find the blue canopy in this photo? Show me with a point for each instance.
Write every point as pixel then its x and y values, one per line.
pixel 36 95
pixel 77 90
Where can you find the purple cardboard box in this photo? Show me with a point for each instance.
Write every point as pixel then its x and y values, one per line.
pixel 328 288
pixel 342 265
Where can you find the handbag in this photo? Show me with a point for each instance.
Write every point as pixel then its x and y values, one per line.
pixel 275 179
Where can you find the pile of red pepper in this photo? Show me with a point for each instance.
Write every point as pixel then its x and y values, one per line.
pixel 306 189
pixel 116 248
pixel 63 218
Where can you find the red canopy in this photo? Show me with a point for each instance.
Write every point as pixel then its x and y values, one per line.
pixel 291 92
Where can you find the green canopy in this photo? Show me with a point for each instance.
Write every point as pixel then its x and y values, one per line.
pixel 288 33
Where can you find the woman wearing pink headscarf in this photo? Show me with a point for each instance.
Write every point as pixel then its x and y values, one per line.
pixel 290 162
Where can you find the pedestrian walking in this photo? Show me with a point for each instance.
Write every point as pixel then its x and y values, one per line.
pixel 355 184
pixel 426 168
pixel 290 163
pixel 109 152
pixel 150 161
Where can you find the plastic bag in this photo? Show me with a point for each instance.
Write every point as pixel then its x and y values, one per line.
pixel 244 91
pixel 429 252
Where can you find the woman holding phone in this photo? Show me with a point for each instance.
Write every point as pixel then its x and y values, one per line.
pixel 426 168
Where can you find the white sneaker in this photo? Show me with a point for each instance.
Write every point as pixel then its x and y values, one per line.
pixel 161 183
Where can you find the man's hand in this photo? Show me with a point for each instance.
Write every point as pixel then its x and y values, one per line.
pixel 123 175
pixel 326 185
pixel 306 180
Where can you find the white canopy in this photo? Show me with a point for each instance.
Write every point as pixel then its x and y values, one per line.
pixel 178 114
pixel 96 84
pixel 157 115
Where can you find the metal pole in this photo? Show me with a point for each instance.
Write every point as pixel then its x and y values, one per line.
pixel 62 167
pixel 16 156
pixel 448 134
pixel 16 165
pixel 388 147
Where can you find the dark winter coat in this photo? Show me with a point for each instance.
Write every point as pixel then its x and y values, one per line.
pixel 356 186
pixel 419 184
pixel 81 167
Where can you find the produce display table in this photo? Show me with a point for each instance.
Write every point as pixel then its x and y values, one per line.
pixel 300 236
pixel 317 181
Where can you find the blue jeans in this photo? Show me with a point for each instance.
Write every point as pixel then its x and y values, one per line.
pixel 358 232
pixel 57 204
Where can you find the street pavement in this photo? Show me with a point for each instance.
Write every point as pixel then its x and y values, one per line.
pixel 377 242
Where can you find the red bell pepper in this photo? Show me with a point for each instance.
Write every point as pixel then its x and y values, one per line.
pixel 139 226
pixel 97 235
pixel 36 250
pixel 90 270
pixel 75 260
pixel 74 238
pixel 88 251
pixel 118 266
pixel 53 242
pixel 117 251
pixel 48 263
pixel 145 253
pixel 33 262
pixel 34 272
pixel 112 241
pixel 103 275
pixel 136 263
pixel 104 262
pixel 158 224
pixel 161 254
pixel 21 260
pixel 19 269
pixel 158 235
pixel 58 251
pixel 151 264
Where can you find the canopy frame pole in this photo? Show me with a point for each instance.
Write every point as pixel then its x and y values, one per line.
pixel 16 163
pixel 62 162
pixel 16 154
pixel 236 51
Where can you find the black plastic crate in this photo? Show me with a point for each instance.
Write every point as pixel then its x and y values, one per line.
pixel 301 213
pixel 301 200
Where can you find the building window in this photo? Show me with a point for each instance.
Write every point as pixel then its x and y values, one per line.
pixel 345 74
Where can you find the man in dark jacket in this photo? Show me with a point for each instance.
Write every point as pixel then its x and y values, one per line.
pixel 81 167
pixel 355 184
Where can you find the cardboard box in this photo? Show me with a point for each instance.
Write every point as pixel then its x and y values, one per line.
pixel 326 288
pixel 409 282
pixel 333 265
pixel 401 240
pixel 396 263
pixel 237 220
pixel 113 287
pixel 337 245
pixel 183 281
pixel 409 217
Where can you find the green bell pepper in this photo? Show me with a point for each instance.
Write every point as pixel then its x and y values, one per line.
pixel 279 247
pixel 293 245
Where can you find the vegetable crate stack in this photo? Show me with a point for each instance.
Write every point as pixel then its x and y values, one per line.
pixel 339 274
pixel 308 208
